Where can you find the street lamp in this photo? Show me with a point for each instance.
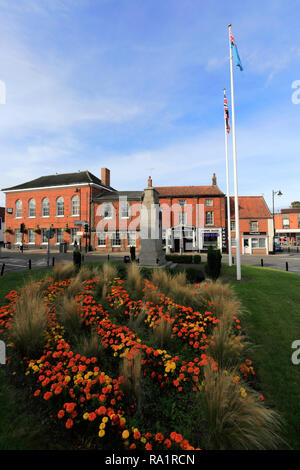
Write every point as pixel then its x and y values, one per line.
pixel 277 193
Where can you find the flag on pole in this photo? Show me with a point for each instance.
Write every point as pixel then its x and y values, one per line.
pixel 226 112
pixel 235 52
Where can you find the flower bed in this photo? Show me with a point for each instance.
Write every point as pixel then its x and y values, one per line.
pixel 79 392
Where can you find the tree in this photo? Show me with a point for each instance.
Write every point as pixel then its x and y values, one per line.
pixel 295 204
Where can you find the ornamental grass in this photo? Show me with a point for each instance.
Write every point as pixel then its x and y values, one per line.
pixel 236 417
pixel 135 281
pixel 163 332
pixel 69 314
pixel 131 373
pixel 62 271
pixel 90 345
pixel 29 322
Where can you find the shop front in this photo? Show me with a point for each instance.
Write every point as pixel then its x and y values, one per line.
pixel 255 243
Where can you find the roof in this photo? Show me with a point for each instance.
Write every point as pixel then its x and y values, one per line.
pixel 295 210
pixel 64 179
pixel 250 207
pixel 185 191
pixel 116 195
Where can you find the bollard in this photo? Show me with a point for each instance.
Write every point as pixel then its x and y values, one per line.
pixel 261 262
pixel 2 269
pixel 29 264
pixel 232 260
pixel 107 257
pixel 82 258
pixel 53 261
pixel 286 266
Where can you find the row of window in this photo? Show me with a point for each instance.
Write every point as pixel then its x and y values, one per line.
pixel 115 239
pixel 60 207
pixel 59 235
pixel 253 226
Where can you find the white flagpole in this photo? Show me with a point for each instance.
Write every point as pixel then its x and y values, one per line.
pixel 237 222
pixel 228 193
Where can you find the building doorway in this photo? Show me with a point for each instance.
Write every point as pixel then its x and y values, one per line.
pixel 247 247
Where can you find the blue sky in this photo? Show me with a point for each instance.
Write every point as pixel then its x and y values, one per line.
pixel 137 87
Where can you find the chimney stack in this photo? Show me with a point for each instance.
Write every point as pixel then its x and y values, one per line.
pixel 105 176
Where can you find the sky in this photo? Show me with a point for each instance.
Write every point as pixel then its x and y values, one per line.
pixel 137 87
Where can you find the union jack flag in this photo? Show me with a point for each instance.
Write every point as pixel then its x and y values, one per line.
pixel 226 113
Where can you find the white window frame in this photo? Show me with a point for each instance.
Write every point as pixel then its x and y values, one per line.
pixel 43 207
pixel 130 237
pixel 101 236
pixel 212 216
pixel 31 208
pixel 114 238
pixel 75 202
pixel 31 234
pixel 18 210
pixel 209 202
pixel 44 238
pixel 105 205
pixel 60 202
pixel 126 205
pixel 18 236
pixel 60 232
pixel 251 225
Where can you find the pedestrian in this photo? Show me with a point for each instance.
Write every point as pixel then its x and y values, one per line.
pixel 21 247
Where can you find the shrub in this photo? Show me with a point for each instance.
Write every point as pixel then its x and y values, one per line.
pixel 197 259
pixel 29 322
pixel 235 416
pixel 187 259
pixel 77 259
pixel 213 265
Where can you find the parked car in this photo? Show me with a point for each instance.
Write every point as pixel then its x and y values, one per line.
pixel 277 247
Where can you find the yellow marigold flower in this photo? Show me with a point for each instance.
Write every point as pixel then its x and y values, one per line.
pixel 86 416
pixel 105 419
pixel 102 426
pixel 143 440
pixel 125 434
pixel 101 433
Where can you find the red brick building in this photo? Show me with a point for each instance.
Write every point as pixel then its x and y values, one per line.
pixel 56 201
pixel 256 225
pixel 193 217
pixel 287 227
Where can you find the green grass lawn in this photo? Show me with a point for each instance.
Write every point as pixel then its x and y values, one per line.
pixel 272 322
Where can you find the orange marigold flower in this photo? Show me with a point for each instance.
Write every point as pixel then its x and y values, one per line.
pixel 61 414
pixel 92 416
pixel 47 395
pixel 159 437
pixel 148 446
pixel 167 443
pixel 69 423
pixel 36 393
pixel 133 446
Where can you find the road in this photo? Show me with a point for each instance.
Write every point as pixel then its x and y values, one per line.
pixel 15 261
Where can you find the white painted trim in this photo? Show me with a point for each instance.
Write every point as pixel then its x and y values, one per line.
pixel 55 187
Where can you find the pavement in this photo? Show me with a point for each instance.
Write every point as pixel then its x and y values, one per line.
pixel 16 261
